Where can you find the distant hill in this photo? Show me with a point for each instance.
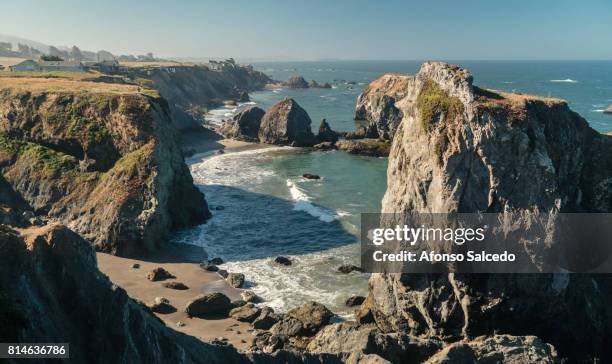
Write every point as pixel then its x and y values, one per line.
pixel 31 43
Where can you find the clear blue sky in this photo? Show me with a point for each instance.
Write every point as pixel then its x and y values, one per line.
pixel 316 29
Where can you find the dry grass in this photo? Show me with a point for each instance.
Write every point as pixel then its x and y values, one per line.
pixel 41 84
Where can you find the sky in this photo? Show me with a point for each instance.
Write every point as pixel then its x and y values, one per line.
pixel 332 29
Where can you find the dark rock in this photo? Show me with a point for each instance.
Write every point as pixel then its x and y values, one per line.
pixel 223 273
pixel 312 315
pixel 326 85
pixel 296 82
pixel 162 305
pixel 355 301
pixel 235 280
pixel 313 84
pixel 209 267
pixel 135 266
pixel 245 313
pixel 220 151
pixel 283 260
pixel 219 208
pixel 175 285
pixel 244 126
pixel 325 146
pixel 286 123
pixel 326 134
pixel 349 337
pixel 74 301
pixel 499 349
pixel 367 147
pixel 266 319
pixel 159 274
pixel 216 261
pixel 244 97
pixel 311 176
pixel 364 314
pixel 287 326
pixel 348 268
pixel 208 304
pixel 238 303
pixel 249 296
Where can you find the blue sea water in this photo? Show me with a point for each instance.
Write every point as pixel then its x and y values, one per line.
pixel 264 208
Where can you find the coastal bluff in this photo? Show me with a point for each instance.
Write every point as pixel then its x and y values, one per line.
pixel 460 148
pixel 104 159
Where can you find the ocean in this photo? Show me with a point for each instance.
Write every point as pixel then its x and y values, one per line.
pixel 263 208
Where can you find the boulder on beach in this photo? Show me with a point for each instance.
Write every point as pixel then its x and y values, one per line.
pixel 312 315
pixel 217 260
pixel 162 305
pixel 209 267
pixel 296 82
pixel 244 125
pixel 159 274
pixel 266 319
pixel 286 123
pixel 235 280
pixel 208 304
pixel 287 326
pixel 175 285
pixel 326 134
pixel 283 261
pixel 246 313
pixel 249 296
pixel 223 273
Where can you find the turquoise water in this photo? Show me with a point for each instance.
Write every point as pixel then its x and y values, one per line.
pixel 266 209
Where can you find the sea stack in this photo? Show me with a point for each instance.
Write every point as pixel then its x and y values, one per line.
pixel 244 125
pixel 286 123
pixel 460 148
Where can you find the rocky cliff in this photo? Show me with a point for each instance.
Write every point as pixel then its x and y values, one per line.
pixel 191 90
pixel 51 291
pixel 104 161
pixel 459 148
pixel 286 123
pixel 376 106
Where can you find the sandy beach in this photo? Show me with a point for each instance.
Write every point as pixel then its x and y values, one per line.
pixel 182 262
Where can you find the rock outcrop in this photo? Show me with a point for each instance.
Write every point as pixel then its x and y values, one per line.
pixel 296 82
pixel 367 147
pixel 286 123
pixel 244 125
pixel 376 106
pixel 52 291
pixel 326 134
pixel 191 90
pixel 459 148
pixel 106 162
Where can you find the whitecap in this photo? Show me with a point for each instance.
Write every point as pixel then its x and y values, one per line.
pixel 302 203
pixel 567 80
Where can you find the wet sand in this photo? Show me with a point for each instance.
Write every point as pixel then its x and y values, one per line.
pixel 182 262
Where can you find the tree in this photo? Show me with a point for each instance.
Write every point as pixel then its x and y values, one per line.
pixel 49 57
pixel 103 55
pixel 53 51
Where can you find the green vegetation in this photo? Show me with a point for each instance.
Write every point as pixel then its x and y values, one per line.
pixel 150 92
pixel 53 163
pixel 433 102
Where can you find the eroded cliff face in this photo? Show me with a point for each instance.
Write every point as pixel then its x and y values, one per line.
pixel 106 164
pixel 190 90
pixel 52 291
pixel 459 148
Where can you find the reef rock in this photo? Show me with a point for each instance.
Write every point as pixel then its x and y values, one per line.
pixel 244 125
pixel 286 123
pixel 459 148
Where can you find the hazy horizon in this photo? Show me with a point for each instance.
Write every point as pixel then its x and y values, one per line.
pixel 340 30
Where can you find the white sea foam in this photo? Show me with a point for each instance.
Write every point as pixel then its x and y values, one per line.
pixel 302 203
pixel 567 80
